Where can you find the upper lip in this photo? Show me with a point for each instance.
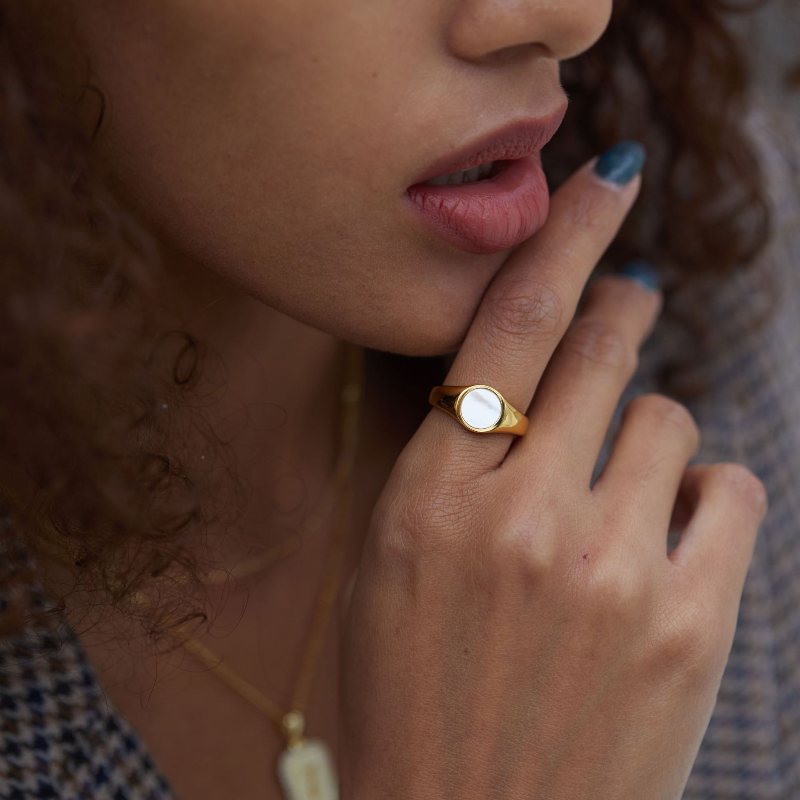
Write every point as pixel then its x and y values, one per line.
pixel 516 140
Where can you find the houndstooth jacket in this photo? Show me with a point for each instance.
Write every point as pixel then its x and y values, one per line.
pixel 60 737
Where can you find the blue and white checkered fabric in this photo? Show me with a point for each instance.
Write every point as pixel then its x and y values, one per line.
pixel 60 738
pixel 751 414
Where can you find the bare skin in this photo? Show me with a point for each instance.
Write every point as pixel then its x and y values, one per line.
pixel 525 634
pixel 269 145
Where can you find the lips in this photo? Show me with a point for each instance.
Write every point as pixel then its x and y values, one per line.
pixel 497 213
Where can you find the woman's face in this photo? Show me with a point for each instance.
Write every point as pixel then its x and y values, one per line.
pixel 275 141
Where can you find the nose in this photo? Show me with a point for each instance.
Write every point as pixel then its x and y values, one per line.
pixel 558 29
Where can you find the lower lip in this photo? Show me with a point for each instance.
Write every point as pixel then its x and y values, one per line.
pixel 488 216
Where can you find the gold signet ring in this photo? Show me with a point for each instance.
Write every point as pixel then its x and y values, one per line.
pixel 479 408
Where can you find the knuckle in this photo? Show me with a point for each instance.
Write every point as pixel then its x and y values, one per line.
pixel 519 548
pixel 689 645
pixel 667 413
pixel 619 595
pixel 397 541
pixel 601 345
pixel 745 485
pixel 525 308
pixel 422 516
pixel 393 545
pixel 613 590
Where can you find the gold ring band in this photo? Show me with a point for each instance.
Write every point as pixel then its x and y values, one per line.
pixel 479 408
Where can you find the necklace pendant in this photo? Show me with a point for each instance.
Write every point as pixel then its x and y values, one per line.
pixel 306 771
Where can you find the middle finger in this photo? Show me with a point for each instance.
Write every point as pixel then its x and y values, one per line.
pixel 584 380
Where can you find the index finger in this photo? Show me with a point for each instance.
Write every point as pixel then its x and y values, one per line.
pixel 531 301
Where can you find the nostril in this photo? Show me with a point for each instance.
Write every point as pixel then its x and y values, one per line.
pixel 487 32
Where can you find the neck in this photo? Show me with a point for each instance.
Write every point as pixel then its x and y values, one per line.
pixel 281 397
pixel 270 397
pixel 274 387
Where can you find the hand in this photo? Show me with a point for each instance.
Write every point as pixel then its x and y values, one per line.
pixel 512 632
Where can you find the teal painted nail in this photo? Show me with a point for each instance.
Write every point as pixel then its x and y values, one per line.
pixel 621 163
pixel 643 272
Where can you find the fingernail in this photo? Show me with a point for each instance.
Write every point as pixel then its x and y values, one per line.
pixel 643 272
pixel 621 163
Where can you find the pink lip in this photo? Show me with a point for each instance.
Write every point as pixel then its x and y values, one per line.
pixel 491 215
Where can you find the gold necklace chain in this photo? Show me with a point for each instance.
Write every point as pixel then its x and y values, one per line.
pixel 291 722
pixel 305 769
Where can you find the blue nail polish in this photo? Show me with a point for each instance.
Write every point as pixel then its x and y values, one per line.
pixel 621 163
pixel 643 272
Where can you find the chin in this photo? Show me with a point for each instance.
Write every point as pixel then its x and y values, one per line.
pixel 419 335
pixel 423 346
pixel 431 318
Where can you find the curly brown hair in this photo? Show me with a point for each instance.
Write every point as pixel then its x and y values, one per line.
pixel 94 473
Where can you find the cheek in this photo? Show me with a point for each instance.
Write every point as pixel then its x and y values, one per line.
pixel 389 292
pixel 320 244
pixel 269 151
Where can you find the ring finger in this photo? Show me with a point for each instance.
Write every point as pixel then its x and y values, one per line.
pixel 580 389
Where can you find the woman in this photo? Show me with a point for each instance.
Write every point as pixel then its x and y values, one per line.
pixel 203 201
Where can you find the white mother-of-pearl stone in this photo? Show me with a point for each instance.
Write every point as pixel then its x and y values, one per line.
pixel 480 408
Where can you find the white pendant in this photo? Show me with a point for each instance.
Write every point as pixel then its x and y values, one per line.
pixel 307 772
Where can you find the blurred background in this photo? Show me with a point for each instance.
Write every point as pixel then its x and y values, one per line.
pixel 774 34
